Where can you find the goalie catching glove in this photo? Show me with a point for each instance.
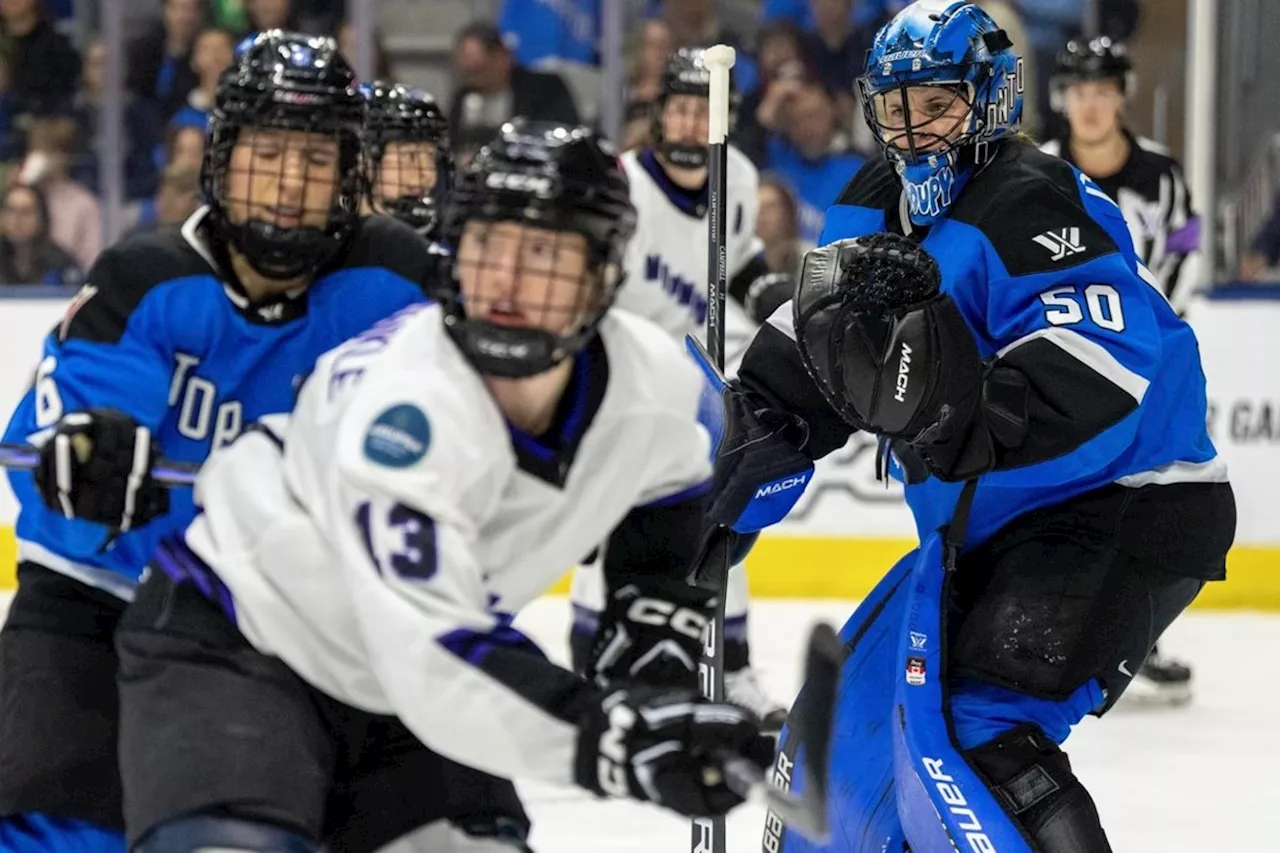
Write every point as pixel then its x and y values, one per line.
pixel 893 355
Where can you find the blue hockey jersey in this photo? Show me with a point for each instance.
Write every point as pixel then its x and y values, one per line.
pixel 1042 267
pixel 156 333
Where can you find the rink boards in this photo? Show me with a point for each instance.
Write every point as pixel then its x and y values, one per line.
pixel 849 528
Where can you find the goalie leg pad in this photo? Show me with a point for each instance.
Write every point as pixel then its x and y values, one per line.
pixel 862 804
pixel 943 803
pixel 1033 777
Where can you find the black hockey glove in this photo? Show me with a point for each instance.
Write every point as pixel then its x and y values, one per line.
pixel 666 746
pixel 96 466
pixel 760 467
pixel 767 294
pixel 894 356
pixel 649 639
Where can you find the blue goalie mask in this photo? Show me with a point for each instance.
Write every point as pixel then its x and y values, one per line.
pixel 942 84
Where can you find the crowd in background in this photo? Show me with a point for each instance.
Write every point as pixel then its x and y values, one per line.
pixel 797 114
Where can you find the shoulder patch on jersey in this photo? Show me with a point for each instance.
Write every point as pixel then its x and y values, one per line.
pixel 83 295
pixel 121 278
pixel 1028 206
pixel 399 437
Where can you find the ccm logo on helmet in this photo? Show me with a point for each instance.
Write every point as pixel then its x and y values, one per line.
pixel 652 611
pixel 518 182
pixel 951 794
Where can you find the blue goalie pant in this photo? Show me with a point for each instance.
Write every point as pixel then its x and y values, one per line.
pixel 957 688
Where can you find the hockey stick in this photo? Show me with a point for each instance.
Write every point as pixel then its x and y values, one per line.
pixel 805 813
pixel 708 833
pixel 166 473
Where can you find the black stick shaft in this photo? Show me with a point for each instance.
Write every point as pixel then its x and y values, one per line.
pixel 709 833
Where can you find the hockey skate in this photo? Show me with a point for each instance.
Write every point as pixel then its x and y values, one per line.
pixel 1160 681
pixel 741 687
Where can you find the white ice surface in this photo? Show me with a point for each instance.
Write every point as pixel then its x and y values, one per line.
pixel 1205 777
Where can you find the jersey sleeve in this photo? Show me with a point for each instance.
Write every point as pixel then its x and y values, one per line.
pixel 1181 234
pixel 1067 308
pixel 111 350
pixel 461 678
pixel 773 371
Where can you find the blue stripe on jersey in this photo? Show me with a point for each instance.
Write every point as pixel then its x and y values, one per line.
pixel 196 371
pixel 1102 310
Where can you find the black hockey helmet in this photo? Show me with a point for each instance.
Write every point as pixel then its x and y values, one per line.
pixel 548 176
pixel 293 82
pixel 400 114
pixel 1098 58
pixel 685 74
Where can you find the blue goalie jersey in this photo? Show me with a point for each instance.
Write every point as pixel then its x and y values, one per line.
pixel 156 333
pixel 1042 267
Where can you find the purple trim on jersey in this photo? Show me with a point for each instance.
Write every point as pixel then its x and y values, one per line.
pixel 181 564
pixel 677 195
pixel 694 491
pixel 474 646
pixel 569 433
pixel 585 620
pixel 1186 239
pixel 735 629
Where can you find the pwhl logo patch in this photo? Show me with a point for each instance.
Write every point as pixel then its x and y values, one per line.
pixel 399 437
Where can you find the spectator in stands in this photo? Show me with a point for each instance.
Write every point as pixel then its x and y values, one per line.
pixel 176 199
pixel 44 68
pixel 1264 252
pixel 837 49
pixel 160 61
pixel 214 52
pixel 1049 24
pixel 12 144
pixel 229 15
pixel 27 255
pixel 783 67
pixel 75 221
pixel 695 23
pixel 806 148
pixel 319 16
pixel 490 88
pixel 647 57
pixel 778 226
pixel 141 126
pixel 184 148
pixel 548 34
pixel 867 14
pixel 270 15
pixel 346 36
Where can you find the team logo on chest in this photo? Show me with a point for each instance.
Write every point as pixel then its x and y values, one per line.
pixel 682 290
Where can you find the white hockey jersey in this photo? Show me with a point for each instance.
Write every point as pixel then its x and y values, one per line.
pixel 376 539
pixel 666 261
